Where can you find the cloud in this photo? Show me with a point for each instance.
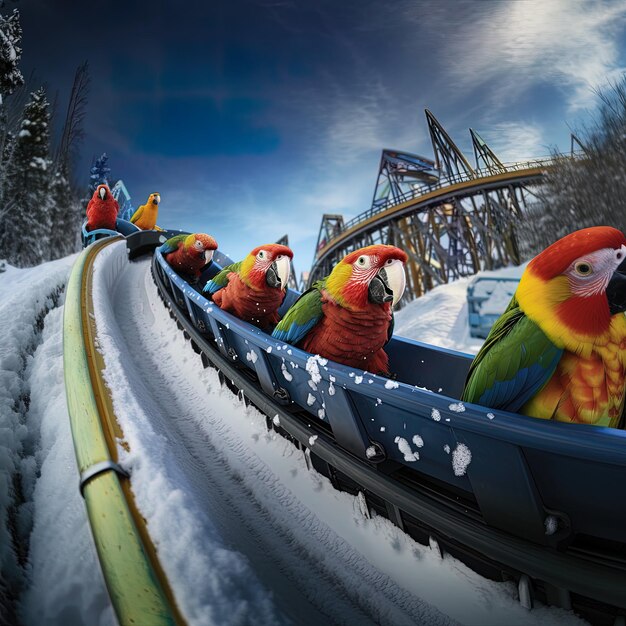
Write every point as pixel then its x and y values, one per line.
pixel 513 46
pixel 516 141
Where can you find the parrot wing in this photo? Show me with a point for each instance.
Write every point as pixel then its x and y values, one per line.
pixel 171 245
pixel 515 362
pixel 220 280
pixel 137 214
pixel 305 312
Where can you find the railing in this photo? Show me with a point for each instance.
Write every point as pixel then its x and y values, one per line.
pixel 447 181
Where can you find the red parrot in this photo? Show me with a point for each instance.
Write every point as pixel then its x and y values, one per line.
pixel 254 289
pixel 188 254
pixel 347 316
pixel 559 350
pixel 102 209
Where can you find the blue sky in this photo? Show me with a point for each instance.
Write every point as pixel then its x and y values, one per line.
pixel 253 118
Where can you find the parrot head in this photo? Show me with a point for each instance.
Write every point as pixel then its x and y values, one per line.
pixel 201 244
pixel 267 266
pixel 575 286
pixel 154 198
pixel 103 192
pixel 374 274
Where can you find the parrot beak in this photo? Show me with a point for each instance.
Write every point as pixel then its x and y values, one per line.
pixel 388 285
pixel 208 256
pixel 278 272
pixel 102 193
pixel 616 290
pixel 156 199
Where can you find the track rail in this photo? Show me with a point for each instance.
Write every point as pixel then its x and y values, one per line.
pixel 489 551
pixel 374 218
pixel 137 586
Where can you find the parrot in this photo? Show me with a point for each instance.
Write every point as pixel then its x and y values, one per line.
pixel 348 315
pixel 188 254
pixel 102 209
pixel 559 350
pixel 254 289
pixel 145 217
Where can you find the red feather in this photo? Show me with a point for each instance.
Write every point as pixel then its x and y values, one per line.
pixel 354 338
pixel 102 213
pixel 555 259
pixel 257 306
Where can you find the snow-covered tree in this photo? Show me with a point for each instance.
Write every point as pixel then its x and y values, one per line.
pixel 10 53
pixel 586 191
pixel 66 215
pixel 26 212
pixel 99 173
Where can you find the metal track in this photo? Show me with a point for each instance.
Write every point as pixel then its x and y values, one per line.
pixel 554 576
pixel 137 586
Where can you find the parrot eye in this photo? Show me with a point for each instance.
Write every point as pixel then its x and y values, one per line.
pixel 583 269
pixel 389 261
pixel 364 262
pixel 261 255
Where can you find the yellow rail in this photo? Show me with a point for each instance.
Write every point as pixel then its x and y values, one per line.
pixel 429 196
pixel 134 578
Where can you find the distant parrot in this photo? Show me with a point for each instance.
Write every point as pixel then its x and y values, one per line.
pixel 102 209
pixel 559 350
pixel 254 289
pixel 188 254
pixel 347 316
pixel 145 217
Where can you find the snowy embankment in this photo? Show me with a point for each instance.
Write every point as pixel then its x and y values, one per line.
pixel 45 543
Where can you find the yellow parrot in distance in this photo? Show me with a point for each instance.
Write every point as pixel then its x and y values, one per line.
pixel 145 217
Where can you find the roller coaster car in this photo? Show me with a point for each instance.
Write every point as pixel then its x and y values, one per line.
pixel 540 500
pixel 122 227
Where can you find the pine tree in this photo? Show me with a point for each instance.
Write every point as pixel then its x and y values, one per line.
pixel 10 79
pixel 26 236
pixel 99 173
pixel 10 53
pixel 66 215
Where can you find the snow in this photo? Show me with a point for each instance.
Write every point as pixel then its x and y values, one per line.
pixel 439 317
pixel 391 384
pixel 288 376
pixel 499 297
pixel 405 449
pixel 436 415
pixel 245 532
pixel 457 407
pixel 552 524
pixel 461 458
pixel 36 445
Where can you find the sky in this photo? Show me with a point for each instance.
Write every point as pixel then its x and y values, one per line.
pixel 253 118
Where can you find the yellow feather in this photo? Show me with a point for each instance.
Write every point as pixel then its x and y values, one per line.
pixel 337 279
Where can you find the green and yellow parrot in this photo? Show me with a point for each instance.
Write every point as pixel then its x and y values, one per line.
pixel 559 350
pixel 347 316
pixel 188 254
pixel 254 289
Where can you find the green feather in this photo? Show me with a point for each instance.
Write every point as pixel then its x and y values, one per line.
pixel 305 312
pixel 220 280
pixel 513 365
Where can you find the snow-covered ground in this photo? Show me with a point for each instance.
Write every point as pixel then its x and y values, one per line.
pixel 49 571
pixel 246 534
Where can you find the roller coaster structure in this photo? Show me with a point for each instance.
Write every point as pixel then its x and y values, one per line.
pixel 451 218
